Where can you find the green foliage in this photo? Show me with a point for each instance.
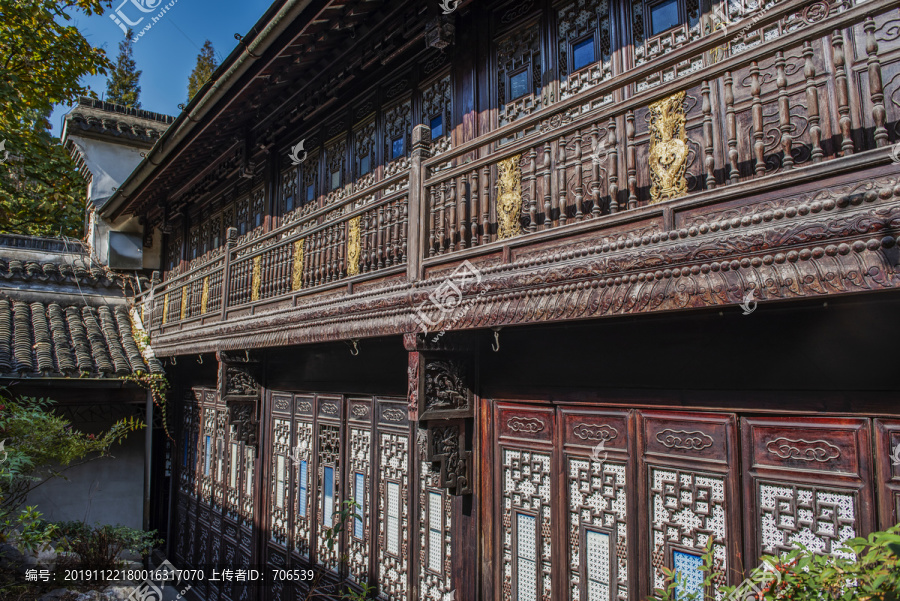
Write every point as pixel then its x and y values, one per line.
pixel 41 446
pixel 673 588
pixel 123 85
pixel 98 547
pixel 206 66
pixel 158 385
pixel 867 570
pixel 31 530
pixel 44 59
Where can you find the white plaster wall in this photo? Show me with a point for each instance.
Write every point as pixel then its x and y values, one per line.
pixel 110 165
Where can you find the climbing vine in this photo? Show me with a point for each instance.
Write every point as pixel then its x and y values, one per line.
pixel 158 385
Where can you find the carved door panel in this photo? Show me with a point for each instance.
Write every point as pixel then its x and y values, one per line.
pixel 393 505
pixel 524 456
pixel 598 479
pixel 359 488
pixel 280 485
pixel 329 473
pixel 689 495
pixel 887 462
pixel 806 480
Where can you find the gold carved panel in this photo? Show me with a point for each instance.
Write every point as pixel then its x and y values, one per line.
pixel 509 198
pixel 256 279
pixel 204 295
pixel 353 249
pixel 668 149
pixel 297 270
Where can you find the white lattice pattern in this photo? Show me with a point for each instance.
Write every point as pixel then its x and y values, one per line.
pixel 434 585
pixel 820 519
pixel 360 453
pixel 597 498
pixel 686 509
pixel 303 459
pixel 393 570
pixel 526 485
pixel 281 441
pixel 598 563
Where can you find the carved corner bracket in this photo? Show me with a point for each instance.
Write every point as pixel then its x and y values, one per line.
pixel 240 389
pixel 441 397
pixel 445 447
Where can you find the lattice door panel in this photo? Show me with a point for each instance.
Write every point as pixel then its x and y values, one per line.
pixel 525 508
pixel 303 474
pixel 359 457
pixel 598 476
pixel 689 482
pixel 807 480
pixel 393 500
pixel 887 461
pixel 435 531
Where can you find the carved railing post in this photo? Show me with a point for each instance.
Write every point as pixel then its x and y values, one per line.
pixel 441 397
pixel 230 239
pixel 421 151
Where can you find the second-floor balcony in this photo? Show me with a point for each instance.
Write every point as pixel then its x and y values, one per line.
pixel 726 135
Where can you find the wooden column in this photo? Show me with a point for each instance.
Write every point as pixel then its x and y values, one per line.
pixel 421 151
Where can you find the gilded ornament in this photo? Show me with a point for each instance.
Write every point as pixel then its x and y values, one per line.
pixel 668 149
pixel 297 271
pixel 256 280
pixel 204 296
pixel 184 301
pixel 165 308
pixel 509 198
pixel 353 250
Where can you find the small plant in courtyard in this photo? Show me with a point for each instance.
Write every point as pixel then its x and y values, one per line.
pixel 866 569
pixel 98 547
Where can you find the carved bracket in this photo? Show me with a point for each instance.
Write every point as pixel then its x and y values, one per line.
pixel 440 32
pixel 446 448
pixel 240 389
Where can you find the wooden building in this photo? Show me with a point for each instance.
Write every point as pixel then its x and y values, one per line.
pixel 483 272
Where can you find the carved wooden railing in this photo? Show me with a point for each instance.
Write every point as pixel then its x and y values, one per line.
pixel 360 237
pixel 749 112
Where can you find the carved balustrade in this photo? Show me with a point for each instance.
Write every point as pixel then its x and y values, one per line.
pixel 364 236
pixel 735 106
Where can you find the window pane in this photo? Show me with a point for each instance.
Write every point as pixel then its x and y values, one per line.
pixel 279 481
pixel 288 205
pixel 518 85
pixel 435 531
pixel 184 455
pixel 310 192
pixel 663 16
pixel 597 553
pixel 583 53
pixel 335 180
pixel 206 461
pixel 248 478
pixel 691 576
pixel 393 518
pixel 359 495
pixel 220 459
pixel 235 457
pixel 397 148
pixel 437 127
pixel 364 165
pixel 526 558
pixel 328 498
pixel 301 477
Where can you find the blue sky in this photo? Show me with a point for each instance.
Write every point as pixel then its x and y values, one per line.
pixel 167 52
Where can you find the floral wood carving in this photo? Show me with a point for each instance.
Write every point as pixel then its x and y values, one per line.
pixel 527 425
pixel 446 388
pixel 668 149
pixel 256 279
pixel 240 382
pixel 242 415
pixel 593 432
pixel 204 295
pixel 445 448
pixel 509 197
pixel 682 439
pixel 806 450
pixel 353 246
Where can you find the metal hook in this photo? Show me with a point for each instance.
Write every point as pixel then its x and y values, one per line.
pixel 246 355
pixel 495 346
pixel 355 350
pixel 174 360
pixel 200 359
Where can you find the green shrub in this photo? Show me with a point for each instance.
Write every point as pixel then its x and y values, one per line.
pixel 98 547
pixel 868 569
